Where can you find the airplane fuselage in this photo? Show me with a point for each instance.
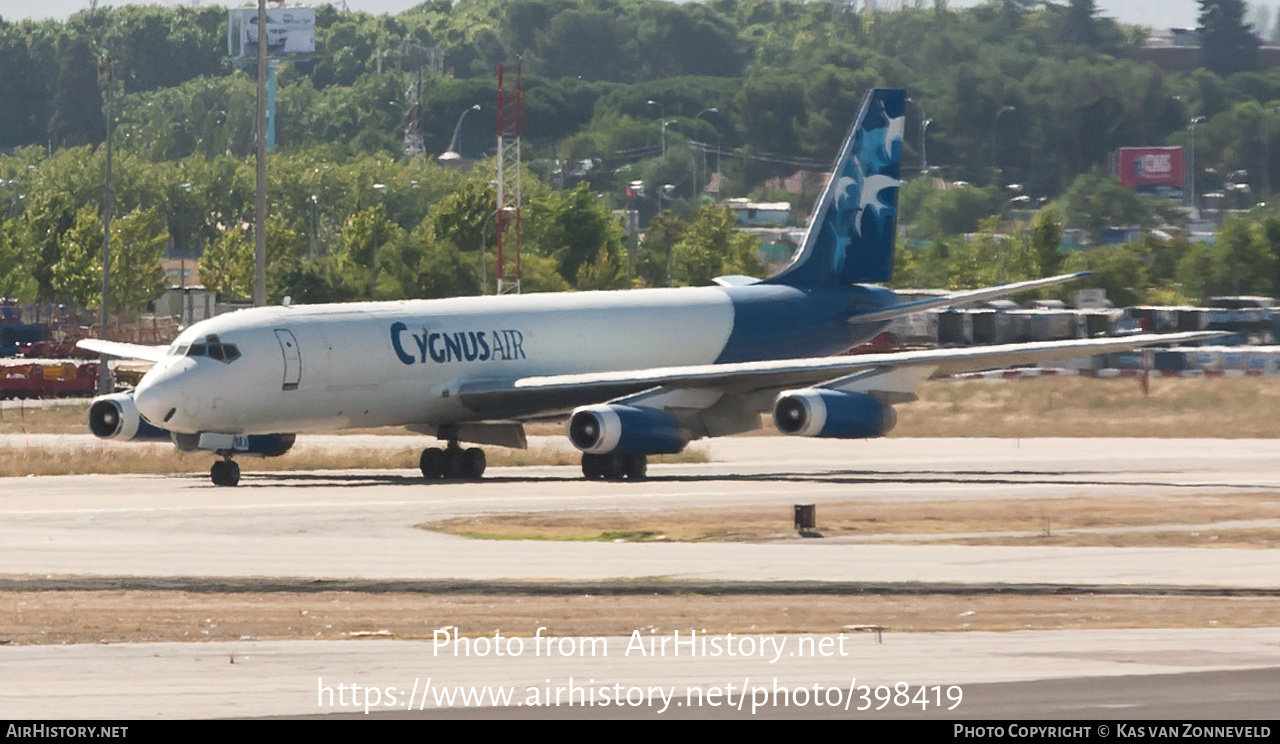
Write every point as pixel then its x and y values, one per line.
pixel 306 368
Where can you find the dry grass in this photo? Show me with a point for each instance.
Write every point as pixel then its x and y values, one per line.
pixel 1037 407
pixel 68 418
pixel 1128 521
pixel 142 616
pixel 161 458
pixel 1219 407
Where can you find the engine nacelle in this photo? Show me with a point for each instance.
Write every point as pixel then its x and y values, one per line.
pixel 603 429
pixel 116 417
pixel 814 412
pixel 240 445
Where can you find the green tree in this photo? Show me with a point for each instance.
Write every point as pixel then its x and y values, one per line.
pixel 48 216
pixel 652 265
pixel 1116 269
pixel 601 273
pixel 1046 237
pixel 137 276
pixel 1094 201
pixel 226 267
pixel 1227 44
pixel 956 210
pixel 77 276
pixel 1079 28
pixel 16 280
pixel 364 236
pixel 434 265
pixel 572 227
pixel 77 113
pixel 711 247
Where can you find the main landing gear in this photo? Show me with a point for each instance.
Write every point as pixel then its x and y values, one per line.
pixel 452 463
pixel 614 466
pixel 225 472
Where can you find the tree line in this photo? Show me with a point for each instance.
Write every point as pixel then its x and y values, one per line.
pixel 618 91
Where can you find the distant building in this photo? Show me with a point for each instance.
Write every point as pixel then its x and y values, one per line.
pixel 760 214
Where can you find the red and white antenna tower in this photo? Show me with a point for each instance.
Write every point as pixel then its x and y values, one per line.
pixel 510 127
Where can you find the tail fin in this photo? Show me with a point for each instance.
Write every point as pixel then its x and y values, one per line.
pixel 851 235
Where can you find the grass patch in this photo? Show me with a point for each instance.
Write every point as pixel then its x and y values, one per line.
pixel 1227 408
pixel 48 617
pixel 1127 521
pixel 63 418
pixel 1210 407
pixel 517 532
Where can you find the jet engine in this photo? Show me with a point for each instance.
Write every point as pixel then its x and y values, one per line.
pixel 116 417
pixel 604 429
pixel 815 412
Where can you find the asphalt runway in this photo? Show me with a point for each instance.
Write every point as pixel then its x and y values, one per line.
pixel 361 525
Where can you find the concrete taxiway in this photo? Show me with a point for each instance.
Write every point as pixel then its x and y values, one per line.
pixel 363 525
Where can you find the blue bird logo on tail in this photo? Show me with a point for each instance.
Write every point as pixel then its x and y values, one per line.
pixel 852 234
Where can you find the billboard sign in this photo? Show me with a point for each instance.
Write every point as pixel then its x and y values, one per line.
pixel 291 32
pixel 1151 170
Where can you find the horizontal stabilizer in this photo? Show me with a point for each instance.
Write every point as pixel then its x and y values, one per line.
pixel 961 298
pixel 735 280
pixel 120 349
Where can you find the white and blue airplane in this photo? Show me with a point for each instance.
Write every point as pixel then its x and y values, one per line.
pixel 635 372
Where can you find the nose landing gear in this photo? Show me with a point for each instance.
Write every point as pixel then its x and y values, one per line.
pixel 225 472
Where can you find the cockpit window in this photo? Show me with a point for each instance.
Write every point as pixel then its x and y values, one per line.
pixel 178 349
pixel 214 348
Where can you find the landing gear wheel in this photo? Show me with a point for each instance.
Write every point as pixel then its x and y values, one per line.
pixel 473 463
pixel 453 465
pixel 432 463
pixel 637 467
pixel 225 473
pixel 615 466
pixel 592 466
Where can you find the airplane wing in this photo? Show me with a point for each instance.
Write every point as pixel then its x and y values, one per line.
pixel 121 349
pixel 533 396
pixel 960 298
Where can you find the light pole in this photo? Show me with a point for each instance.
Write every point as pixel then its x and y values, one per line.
pixel 380 188
pixel 1236 184
pixel 315 223
pixel 182 234
pixel 995 161
pixel 704 149
pixel 1266 148
pixel 667 190
pixel 924 158
pixel 665 124
pixel 454 153
pixel 105 383
pixel 1191 165
pixel 662 114
pixel 924 124
pixel 260 187
pixel 1021 199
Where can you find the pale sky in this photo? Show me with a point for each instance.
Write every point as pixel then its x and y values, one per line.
pixel 1156 13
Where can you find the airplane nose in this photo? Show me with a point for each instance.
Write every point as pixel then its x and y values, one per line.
pixel 158 396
